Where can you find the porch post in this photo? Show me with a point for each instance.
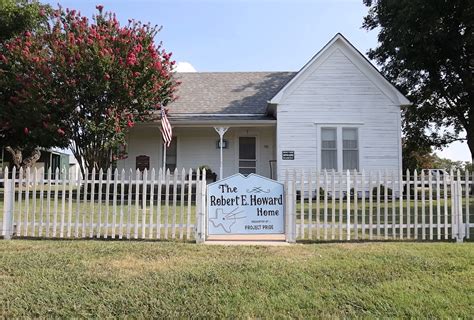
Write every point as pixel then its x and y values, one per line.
pixel 221 131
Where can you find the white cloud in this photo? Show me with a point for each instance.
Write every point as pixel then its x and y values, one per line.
pixel 183 66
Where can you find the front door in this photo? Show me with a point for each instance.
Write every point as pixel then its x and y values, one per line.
pixel 247 155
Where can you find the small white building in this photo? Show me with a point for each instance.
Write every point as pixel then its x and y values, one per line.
pixel 338 112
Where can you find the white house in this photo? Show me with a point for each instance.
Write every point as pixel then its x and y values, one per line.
pixel 338 112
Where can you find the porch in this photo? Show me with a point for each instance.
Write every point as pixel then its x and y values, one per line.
pixel 245 149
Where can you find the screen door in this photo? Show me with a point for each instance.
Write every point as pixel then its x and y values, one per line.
pixel 247 155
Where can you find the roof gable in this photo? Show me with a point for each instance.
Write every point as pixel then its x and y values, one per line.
pixel 339 42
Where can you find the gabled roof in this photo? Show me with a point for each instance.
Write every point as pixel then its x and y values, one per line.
pixel 226 93
pixel 357 58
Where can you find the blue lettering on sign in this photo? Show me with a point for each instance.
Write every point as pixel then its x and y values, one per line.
pixel 245 205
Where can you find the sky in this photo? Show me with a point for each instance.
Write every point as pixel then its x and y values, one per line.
pixel 248 35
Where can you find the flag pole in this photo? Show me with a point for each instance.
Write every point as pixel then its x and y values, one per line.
pixel 164 158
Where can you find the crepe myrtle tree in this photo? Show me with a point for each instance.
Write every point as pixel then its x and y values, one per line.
pixel 98 76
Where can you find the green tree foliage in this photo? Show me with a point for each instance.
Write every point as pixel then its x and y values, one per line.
pixel 18 16
pixel 427 49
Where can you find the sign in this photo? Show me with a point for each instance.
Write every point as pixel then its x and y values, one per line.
pixel 142 162
pixel 288 155
pixel 239 205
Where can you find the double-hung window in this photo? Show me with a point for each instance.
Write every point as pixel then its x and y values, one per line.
pixel 329 148
pixel 339 148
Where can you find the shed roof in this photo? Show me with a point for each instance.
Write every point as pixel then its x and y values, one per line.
pixel 227 93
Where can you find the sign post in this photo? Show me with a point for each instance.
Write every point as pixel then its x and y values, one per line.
pixel 245 208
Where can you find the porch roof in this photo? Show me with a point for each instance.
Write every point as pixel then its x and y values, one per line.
pixel 208 94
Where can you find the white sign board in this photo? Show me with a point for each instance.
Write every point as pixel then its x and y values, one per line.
pixel 239 205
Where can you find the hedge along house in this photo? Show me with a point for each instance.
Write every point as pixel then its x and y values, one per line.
pixel 338 112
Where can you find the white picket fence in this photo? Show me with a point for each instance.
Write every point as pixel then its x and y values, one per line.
pixel 379 205
pixel 320 206
pixel 113 204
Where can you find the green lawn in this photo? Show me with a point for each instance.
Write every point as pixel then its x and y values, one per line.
pixel 178 280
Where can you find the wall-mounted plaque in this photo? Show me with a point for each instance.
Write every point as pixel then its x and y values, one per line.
pixel 288 155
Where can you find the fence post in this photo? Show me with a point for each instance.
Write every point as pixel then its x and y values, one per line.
pixel 9 197
pixel 290 225
pixel 458 200
pixel 201 208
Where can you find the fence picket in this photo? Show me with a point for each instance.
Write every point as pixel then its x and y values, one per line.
pixel 430 200
pixel 378 203
pixel 385 205
pixel 107 203
pixel 438 206
pixel 122 202
pixel 188 224
pixel 152 203
pixel 48 203
pixel 27 202
pixel 356 207
pixel 129 204
pixel 69 209
pixel 181 203
pixel 453 204
pixel 400 190
pixel 394 202
pixel 167 206
pixel 175 191
pixel 302 204
pixel 144 187
pixel 445 208
pixel 423 203
pixel 408 219
pixel 99 205
pixel 371 207
pixel 78 205
pixel 84 213
pixel 415 197
pixel 91 214
pixel 20 198
pixel 333 204
pixel 114 203
pixel 467 192
pixel 63 203
pixel 348 205
pixel 325 217
pixel 362 184
pixel 56 198
pixel 310 205
pixel 318 205
pixel 159 202
pixel 137 203
pixel 341 205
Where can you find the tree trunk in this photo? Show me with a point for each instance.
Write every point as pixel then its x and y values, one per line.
pixel 19 161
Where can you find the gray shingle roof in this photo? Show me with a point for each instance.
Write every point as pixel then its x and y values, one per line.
pixel 227 92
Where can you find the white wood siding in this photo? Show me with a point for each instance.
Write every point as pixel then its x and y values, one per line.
pixel 198 146
pixel 336 92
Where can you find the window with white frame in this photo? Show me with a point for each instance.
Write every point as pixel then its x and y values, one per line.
pixel 339 148
pixel 350 149
pixel 329 148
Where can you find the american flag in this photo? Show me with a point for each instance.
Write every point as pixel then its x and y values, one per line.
pixel 166 130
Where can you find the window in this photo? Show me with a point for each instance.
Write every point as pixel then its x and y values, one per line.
pixel 350 149
pixel 339 148
pixel 171 154
pixel 329 148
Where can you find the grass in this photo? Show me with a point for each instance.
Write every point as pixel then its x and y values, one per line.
pixel 63 279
